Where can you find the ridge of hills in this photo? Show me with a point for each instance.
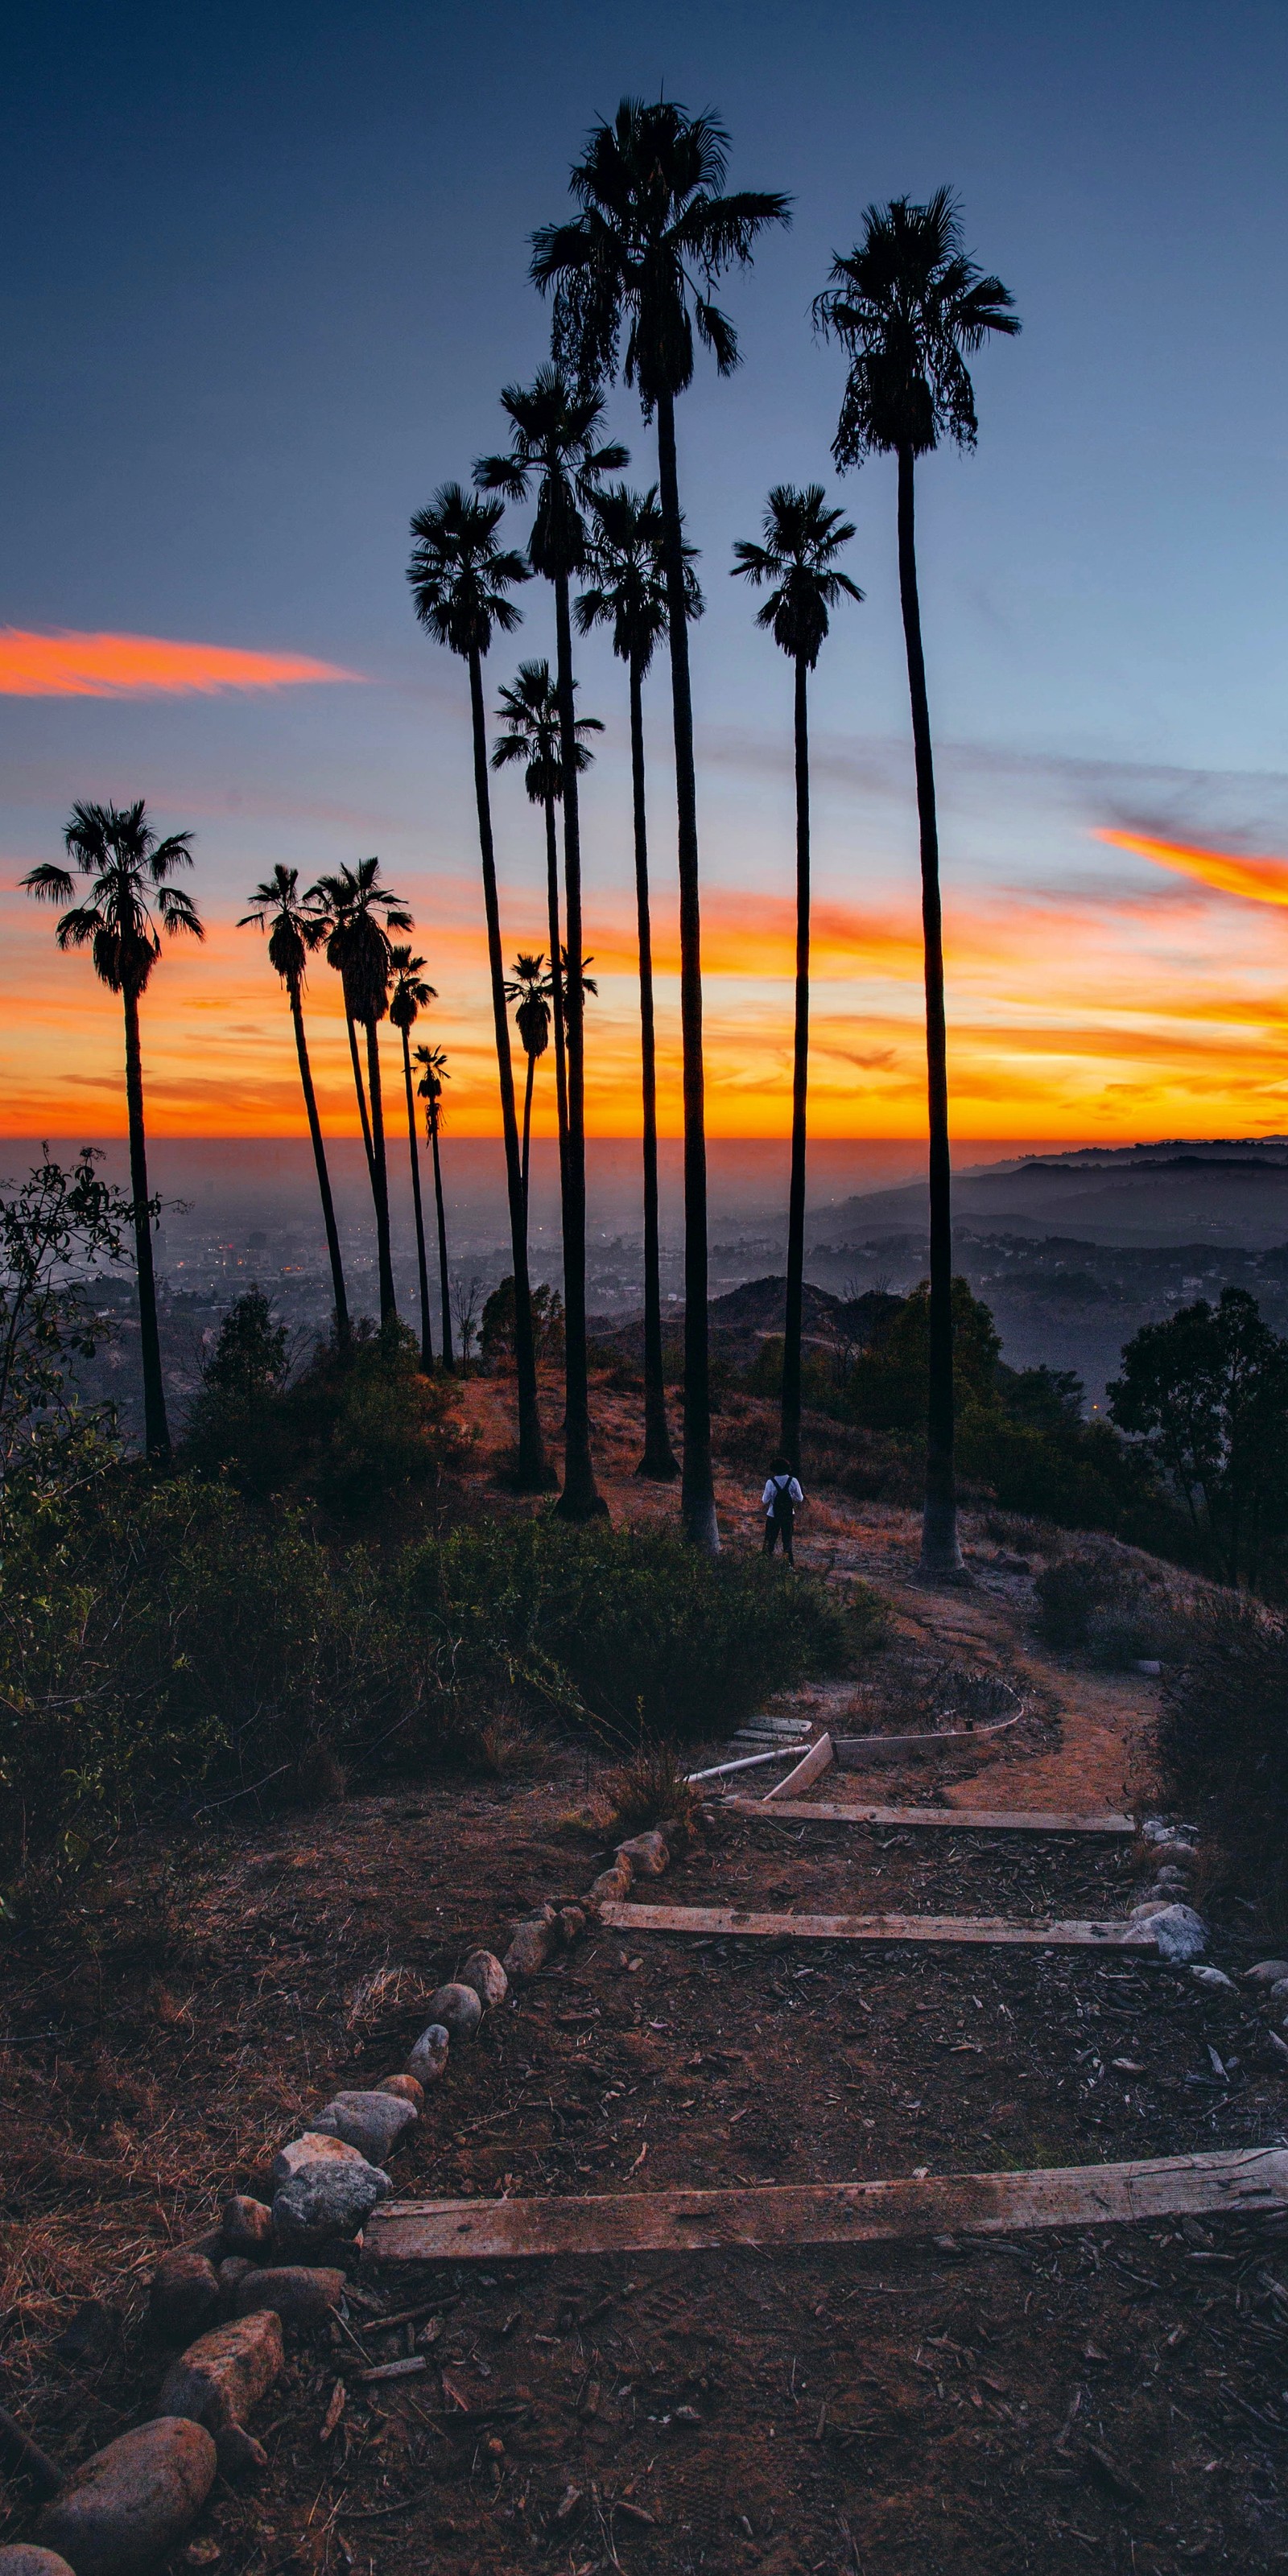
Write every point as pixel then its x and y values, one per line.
pixel 1224 1194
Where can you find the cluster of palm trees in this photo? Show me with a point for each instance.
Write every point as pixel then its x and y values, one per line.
pixel 632 278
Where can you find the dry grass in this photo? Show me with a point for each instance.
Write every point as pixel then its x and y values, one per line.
pixel 654 1783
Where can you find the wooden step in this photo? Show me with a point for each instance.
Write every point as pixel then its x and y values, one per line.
pixel 976 1930
pixel 1235 2183
pixel 969 1820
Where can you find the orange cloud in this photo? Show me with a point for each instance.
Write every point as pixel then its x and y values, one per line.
pixel 1259 880
pixel 143 666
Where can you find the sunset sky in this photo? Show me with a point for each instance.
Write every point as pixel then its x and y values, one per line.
pixel 266 274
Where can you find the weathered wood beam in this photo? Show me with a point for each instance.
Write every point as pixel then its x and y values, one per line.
pixel 983 1820
pixel 1242 2181
pixel 979 1930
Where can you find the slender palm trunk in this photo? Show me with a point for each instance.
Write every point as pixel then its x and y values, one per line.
pixel 360 1087
pixel 581 1499
pixel 698 1501
pixel 444 1283
pixel 790 1427
pixel 156 1429
pixel 659 1458
pixel 343 1333
pixel 556 979
pixel 527 1133
pixel 380 1181
pixel 940 1552
pixel 533 1473
pixel 413 1147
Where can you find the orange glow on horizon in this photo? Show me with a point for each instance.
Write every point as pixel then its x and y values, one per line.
pixel 68 665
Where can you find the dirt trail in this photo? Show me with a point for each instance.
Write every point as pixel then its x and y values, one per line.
pixel 1110 2399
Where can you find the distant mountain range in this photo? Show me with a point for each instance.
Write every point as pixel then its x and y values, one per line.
pixel 1231 1191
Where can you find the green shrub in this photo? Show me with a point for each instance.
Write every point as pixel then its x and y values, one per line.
pixel 1224 1742
pixel 352 1434
pixel 621 1629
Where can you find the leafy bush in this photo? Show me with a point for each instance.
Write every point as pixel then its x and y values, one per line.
pixel 621 1629
pixel 352 1433
pixel 1107 1608
pixel 1224 1741
pixel 170 1642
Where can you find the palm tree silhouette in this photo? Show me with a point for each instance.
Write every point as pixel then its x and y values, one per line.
pixel 626 590
pixel 533 990
pixel 460 580
pixel 908 306
pixel 129 872
pixel 654 235
pixel 801 540
pixel 349 904
pixel 555 447
pixel 410 996
pixel 530 712
pixel 292 932
pixel 433 1061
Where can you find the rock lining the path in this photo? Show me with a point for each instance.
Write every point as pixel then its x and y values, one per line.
pixel 374 2123
pixel 130 2504
pixel 220 2378
pixel 428 2059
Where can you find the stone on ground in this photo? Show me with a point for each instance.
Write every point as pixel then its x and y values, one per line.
pixel 371 2122
pixel 428 2059
pixel 128 2505
pixel 22 2558
pixel 488 1978
pixel 247 2225
pixel 185 2293
pixel 220 2377
pixel 647 1854
pixel 457 2009
pixel 322 2189
pixel 1267 1972
pixel 1180 1934
pixel 301 2294
pixel 404 2088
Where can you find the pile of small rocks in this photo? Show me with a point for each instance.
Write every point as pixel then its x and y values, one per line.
pixel 275 2263
pixel 1179 1932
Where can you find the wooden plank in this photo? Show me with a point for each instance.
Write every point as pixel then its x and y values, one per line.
pixel 982 1930
pixel 1237 2182
pixel 815 1761
pixel 982 1820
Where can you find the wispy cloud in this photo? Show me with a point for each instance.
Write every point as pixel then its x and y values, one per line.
pixel 1257 880
pixel 67 665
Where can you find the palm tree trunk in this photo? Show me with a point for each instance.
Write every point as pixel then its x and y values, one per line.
pixel 698 1501
pixel 444 1283
pixel 356 1061
pixel 156 1429
pixel 342 1327
pixel 581 1499
pixel 556 982
pixel 380 1181
pixel 413 1147
pixel 790 1427
pixel 527 1133
pixel 533 1474
pixel 659 1458
pixel 940 1553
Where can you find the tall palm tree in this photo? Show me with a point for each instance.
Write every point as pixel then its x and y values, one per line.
pixel 350 903
pixel 529 712
pixel 292 932
pixel 626 590
pixel 434 1073
pixel 412 995
pixel 555 449
pixel 654 234
pixel 460 583
pixel 533 990
pixel 908 307
pixel 130 892
pixel 801 539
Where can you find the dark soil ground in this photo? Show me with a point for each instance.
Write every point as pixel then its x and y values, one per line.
pixel 1115 2399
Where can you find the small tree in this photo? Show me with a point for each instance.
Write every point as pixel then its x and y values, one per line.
pixel 1207 1391
pixel 55 1226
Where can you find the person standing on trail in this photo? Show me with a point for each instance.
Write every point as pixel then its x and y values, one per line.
pixel 780 1499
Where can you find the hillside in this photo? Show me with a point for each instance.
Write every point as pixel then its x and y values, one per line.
pixel 1220 1195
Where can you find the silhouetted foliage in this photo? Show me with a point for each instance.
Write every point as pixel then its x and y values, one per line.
pixel 1206 1392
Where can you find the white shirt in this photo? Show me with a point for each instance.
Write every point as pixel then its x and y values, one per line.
pixel 778 1485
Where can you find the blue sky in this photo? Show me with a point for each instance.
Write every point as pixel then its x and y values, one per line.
pixel 267 269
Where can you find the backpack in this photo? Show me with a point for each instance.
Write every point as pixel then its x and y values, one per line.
pixel 782 1507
